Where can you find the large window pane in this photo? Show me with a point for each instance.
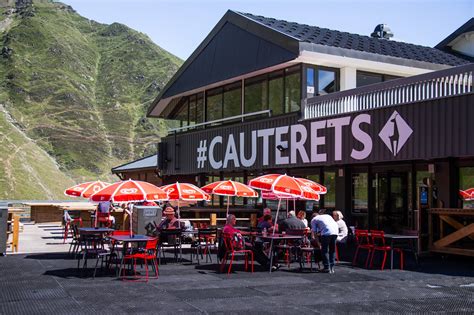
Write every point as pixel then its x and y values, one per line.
pixel 326 82
pixel 311 204
pixel 330 183
pixel 233 100
pixel 310 82
pixel 214 105
pixel 360 190
pixel 275 99
pixel 292 92
pixel 364 78
pixel 192 110
pixel 256 97
pixel 199 109
pixel 182 113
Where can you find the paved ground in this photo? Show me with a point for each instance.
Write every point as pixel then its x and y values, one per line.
pixel 42 238
pixel 50 283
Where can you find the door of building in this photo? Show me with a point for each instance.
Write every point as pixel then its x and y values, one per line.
pixel 391 206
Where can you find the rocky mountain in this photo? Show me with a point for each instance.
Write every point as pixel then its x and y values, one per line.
pixel 73 97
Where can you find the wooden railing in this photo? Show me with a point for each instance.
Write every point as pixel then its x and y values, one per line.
pixel 428 86
pixel 451 231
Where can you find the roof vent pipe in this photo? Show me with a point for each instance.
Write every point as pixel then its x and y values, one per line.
pixel 382 31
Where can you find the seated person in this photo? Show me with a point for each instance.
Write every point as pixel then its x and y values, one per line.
pixel 170 221
pixel 148 203
pixel 291 223
pixel 342 235
pixel 266 223
pixel 103 212
pixel 266 211
pixel 257 249
pixel 302 217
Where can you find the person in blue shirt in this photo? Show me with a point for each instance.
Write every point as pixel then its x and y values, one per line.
pixel 266 223
pixel 324 225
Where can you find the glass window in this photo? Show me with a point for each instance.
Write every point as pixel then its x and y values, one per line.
pixel 365 78
pixel 309 82
pixel 360 190
pixel 256 96
pixel 199 109
pixel 326 81
pixel 232 100
pixel 330 183
pixel 466 181
pixel 310 205
pixel 275 96
pixel 182 114
pixel 214 105
pixel 192 110
pixel 292 90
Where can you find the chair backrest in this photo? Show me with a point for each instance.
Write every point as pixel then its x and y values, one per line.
pixel 362 237
pixel 211 232
pixel 378 237
pixel 296 232
pixel 151 244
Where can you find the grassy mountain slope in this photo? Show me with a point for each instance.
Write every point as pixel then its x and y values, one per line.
pixel 79 88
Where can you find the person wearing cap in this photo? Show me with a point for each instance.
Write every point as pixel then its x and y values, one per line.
pixel 170 221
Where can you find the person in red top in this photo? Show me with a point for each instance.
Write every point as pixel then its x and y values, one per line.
pixel 257 249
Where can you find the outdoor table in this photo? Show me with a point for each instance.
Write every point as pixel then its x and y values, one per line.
pixel 279 237
pixel 397 237
pixel 98 230
pixel 127 239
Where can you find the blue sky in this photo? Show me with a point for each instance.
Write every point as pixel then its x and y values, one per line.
pixel 179 26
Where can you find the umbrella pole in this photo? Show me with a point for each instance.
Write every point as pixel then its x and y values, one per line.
pixel 227 207
pixel 287 207
pixel 131 219
pixel 179 217
pixel 294 204
pixel 276 218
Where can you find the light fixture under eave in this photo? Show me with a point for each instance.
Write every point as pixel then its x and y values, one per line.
pixel 281 148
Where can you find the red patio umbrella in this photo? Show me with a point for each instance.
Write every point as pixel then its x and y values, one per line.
pixel 284 187
pixel 130 191
pixel 184 192
pixel 320 189
pixel 467 194
pixel 86 189
pixel 230 188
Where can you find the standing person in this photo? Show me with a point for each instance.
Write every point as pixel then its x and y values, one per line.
pixel 342 234
pixel 302 216
pixel 324 225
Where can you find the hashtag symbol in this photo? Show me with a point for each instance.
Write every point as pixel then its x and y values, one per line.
pixel 201 150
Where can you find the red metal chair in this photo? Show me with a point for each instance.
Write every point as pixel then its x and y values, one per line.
pixel 232 250
pixel 69 222
pixel 149 253
pixel 363 242
pixel 378 241
pixel 104 218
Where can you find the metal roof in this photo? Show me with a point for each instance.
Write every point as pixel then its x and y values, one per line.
pixel 149 162
pixel 333 38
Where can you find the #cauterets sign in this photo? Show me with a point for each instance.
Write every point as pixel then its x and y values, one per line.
pixel 396 133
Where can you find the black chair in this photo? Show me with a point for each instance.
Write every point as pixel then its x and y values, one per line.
pixel 205 242
pixel 170 238
pixel 76 241
pixel 92 246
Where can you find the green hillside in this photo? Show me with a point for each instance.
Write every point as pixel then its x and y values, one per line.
pixel 79 89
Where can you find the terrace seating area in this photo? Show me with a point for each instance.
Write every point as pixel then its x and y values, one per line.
pixel 51 282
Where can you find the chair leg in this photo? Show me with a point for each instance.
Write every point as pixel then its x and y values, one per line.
pixel 66 231
pixel 96 264
pixel 230 264
pixel 368 255
pixel 354 261
pixel 384 259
